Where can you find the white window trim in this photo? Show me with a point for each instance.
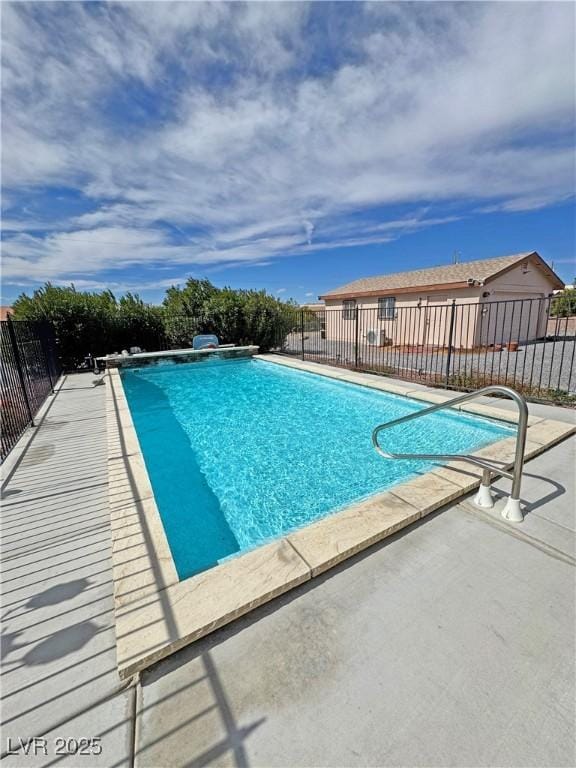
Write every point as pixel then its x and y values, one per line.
pixel 348 312
pixel 388 312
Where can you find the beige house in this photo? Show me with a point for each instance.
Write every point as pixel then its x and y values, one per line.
pixel 415 308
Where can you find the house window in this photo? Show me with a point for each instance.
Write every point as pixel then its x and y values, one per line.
pixel 386 308
pixel 349 309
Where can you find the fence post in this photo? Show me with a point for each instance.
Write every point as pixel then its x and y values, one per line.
pixel 450 339
pixel 45 351
pixel 356 339
pixel 302 331
pixel 18 362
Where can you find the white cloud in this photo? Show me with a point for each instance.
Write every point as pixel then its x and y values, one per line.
pixel 214 134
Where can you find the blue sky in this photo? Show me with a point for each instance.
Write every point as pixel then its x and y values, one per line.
pixel 286 146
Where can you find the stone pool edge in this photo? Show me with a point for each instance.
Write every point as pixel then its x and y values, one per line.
pixel 156 614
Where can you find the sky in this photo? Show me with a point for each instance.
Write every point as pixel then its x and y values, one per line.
pixel 286 146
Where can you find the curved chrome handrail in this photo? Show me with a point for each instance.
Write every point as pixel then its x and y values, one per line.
pixel 512 511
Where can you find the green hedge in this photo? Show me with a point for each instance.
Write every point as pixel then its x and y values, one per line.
pixel 564 305
pixel 97 323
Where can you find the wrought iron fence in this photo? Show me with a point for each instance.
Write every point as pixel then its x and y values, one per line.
pixel 29 369
pixel 458 346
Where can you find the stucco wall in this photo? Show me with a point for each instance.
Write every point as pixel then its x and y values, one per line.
pixel 515 321
pixel 419 319
pixel 509 319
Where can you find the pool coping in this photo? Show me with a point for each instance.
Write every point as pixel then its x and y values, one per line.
pixel 156 614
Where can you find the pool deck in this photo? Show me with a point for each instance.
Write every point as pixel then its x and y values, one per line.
pixel 449 643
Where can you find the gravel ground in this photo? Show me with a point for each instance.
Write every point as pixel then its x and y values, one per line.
pixel 549 364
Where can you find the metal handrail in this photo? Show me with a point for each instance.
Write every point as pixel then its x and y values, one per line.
pixel 512 510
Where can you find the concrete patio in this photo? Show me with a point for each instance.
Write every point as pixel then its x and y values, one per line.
pixel 452 643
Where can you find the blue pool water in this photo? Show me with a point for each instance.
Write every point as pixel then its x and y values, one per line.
pixel 240 452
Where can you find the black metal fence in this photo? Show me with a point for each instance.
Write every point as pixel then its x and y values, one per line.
pixel 29 369
pixel 458 346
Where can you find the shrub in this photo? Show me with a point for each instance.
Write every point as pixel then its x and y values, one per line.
pixel 183 311
pixel 96 323
pixel 80 319
pixel 139 324
pixel 235 316
pixel 564 305
pixel 92 323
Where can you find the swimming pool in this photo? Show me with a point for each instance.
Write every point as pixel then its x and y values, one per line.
pixel 241 452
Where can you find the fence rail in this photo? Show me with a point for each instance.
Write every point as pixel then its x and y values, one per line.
pixel 29 369
pixel 458 346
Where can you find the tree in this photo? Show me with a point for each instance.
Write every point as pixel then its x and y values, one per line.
pixel 80 319
pixel 97 323
pixel 184 310
pixel 249 317
pixel 87 323
pixel 140 324
pixel 564 305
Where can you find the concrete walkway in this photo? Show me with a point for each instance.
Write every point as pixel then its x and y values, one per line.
pixel 59 676
pixel 449 644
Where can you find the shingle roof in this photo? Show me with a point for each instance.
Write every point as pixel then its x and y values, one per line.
pixel 482 269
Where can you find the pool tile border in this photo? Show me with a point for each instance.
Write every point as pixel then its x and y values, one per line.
pixel 156 614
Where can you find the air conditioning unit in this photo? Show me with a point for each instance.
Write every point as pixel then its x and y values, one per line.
pixel 377 338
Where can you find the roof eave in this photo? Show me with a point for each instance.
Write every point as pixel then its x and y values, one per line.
pixel 396 291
